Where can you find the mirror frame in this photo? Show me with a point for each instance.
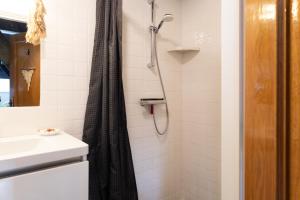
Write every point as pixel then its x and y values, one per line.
pixel 23 19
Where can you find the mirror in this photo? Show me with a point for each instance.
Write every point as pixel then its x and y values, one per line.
pixel 19 66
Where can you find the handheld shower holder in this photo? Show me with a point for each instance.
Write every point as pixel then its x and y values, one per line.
pixel 153 28
pixel 150 1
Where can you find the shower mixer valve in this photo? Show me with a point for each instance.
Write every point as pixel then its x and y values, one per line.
pixel 151 102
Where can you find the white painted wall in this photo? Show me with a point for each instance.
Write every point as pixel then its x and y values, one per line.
pixel 9 9
pixel 231 98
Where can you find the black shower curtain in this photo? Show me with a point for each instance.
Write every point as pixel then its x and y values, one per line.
pixel 105 130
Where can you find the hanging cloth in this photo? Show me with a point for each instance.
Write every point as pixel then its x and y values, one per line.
pixel 105 130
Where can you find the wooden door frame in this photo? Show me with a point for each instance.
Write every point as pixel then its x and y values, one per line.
pixel 232 133
pixel 282 100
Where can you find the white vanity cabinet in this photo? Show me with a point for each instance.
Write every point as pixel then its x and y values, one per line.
pixel 67 182
pixel 50 168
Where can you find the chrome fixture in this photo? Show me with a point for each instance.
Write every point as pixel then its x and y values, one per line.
pixel 154 29
pixel 166 18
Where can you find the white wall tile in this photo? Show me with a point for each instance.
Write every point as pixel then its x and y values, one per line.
pixel 156 172
pixel 201 101
pixel 64 72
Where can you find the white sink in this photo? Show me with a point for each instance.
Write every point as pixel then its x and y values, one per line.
pixel 19 153
pixel 16 146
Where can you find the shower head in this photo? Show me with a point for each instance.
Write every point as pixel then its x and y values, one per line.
pixel 166 18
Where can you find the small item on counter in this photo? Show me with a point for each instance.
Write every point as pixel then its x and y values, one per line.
pixel 49 131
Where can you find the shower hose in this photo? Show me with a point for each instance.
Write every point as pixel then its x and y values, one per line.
pixel 163 132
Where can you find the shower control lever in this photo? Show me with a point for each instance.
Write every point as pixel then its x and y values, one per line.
pixel 152 101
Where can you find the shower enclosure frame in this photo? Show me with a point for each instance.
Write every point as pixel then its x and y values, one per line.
pixel 232 99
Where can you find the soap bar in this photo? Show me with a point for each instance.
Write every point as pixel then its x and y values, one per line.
pixel 49 131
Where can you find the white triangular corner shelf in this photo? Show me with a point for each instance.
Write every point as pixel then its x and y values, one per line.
pixel 184 50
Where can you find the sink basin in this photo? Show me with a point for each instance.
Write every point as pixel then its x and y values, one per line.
pixel 10 147
pixel 19 153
